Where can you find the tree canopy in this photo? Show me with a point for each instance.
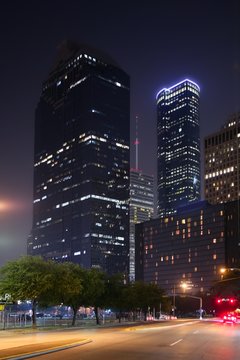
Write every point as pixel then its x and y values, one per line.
pixel 28 278
pixel 49 283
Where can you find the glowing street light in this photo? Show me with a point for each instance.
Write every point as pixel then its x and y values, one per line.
pixel 225 270
pixel 185 286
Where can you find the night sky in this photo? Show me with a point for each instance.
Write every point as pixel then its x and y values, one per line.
pixel 158 43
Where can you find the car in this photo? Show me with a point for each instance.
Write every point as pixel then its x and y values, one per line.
pixel 229 318
pixel 164 317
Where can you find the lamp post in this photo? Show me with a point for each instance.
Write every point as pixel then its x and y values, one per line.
pixel 222 272
pixel 185 286
pixel 174 299
pixel 225 270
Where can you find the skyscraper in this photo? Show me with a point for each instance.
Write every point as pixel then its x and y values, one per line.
pixel 222 163
pixel 141 209
pixel 178 146
pixel 81 169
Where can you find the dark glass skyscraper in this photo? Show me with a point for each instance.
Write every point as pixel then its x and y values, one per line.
pixel 178 146
pixel 81 170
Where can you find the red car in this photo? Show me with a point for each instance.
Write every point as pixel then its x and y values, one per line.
pixel 229 318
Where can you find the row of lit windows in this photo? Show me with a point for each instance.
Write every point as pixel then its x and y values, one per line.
pixel 220 172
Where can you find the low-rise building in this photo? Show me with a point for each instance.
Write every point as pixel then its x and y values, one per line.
pixel 189 247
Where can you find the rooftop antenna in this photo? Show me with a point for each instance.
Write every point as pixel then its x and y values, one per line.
pixel 136 143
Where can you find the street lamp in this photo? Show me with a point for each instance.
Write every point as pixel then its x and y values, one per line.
pixel 185 287
pixel 224 270
pixel 174 299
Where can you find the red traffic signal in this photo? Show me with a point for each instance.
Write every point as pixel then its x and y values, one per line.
pixel 231 300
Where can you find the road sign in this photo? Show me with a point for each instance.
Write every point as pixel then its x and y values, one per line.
pixel 2 307
pixel 5 298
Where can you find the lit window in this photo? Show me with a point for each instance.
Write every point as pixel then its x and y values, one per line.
pixel 77 253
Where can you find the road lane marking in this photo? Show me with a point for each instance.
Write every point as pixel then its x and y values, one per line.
pixel 165 327
pixel 176 342
pixel 196 332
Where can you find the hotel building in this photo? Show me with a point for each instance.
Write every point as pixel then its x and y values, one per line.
pixel 190 247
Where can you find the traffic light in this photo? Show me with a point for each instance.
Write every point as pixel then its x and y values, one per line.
pixel 225 300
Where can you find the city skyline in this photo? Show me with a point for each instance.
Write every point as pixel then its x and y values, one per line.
pixel 204 47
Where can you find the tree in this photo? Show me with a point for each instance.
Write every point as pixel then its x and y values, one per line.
pixel 94 288
pixel 114 293
pixel 68 287
pixel 142 296
pixel 28 278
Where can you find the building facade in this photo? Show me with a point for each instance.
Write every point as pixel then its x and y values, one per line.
pixel 141 209
pixel 222 163
pixel 188 247
pixel 81 162
pixel 178 141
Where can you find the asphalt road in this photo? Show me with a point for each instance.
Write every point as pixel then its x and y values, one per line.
pixel 192 340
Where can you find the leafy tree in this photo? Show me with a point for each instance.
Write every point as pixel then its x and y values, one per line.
pixel 67 279
pixel 28 278
pixel 142 296
pixel 94 288
pixel 114 293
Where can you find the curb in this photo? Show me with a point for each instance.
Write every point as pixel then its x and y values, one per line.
pixel 45 351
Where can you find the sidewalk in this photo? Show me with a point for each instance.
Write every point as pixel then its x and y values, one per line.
pixel 40 348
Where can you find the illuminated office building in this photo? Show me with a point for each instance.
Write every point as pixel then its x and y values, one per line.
pixel 178 146
pixel 222 163
pixel 141 209
pixel 81 169
pixel 189 247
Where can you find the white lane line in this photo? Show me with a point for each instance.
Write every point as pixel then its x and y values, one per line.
pixel 176 342
pixel 196 332
pixel 166 327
